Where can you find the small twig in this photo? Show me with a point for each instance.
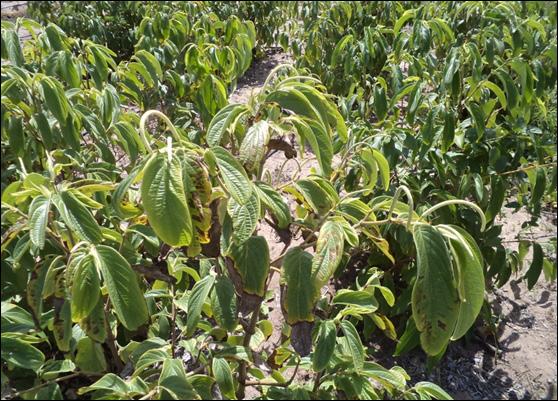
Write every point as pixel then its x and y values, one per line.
pixel 519 170
pixel 111 341
pixel 154 274
pixel 276 384
pixel 173 323
pixel 18 394
pixel 242 369
pixel 150 395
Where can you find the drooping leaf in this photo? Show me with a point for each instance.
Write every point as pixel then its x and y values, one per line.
pixel 86 288
pixel 122 285
pixel 90 356
pixel 38 212
pixel 409 339
pixel 468 261
pixel 355 344
pixel 275 203
pixel 223 121
pixel 15 55
pixel 535 269
pixel 254 144
pixel 251 261
pixel 435 301
pixel 223 375
pixel 223 303
pixel 234 176
pixel 199 294
pixel 77 217
pixel 164 200
pixel 21 353
pixel 244 217
pixel 325 345
pixel 329 250
pixel 300 294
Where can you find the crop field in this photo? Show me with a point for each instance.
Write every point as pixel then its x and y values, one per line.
pixel 278 200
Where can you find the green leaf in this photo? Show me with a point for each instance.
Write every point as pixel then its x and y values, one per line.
pixel 452 66
pixel 251 261
pixel 300 295
pixel 329 250
pixel 50 391
pixel 52 368
pixel 164 200
pixel 372 156
pixel 122 285
pixel 235 178
pixel 325 345
pixel 223 375
pixel 62 326
pixel 355 344
pixel 535 269
pixel 497 197
pixel 77 217
pixel 38 212
pixel 362 299
pixel 54 36
pixel 435 301
pixel 199 294
pixel 16 137
pixel 94 325
pixel 339 49
pixel 427 390
pixel 448 133
pixel 151 63
pixel 539 187
pixel 224 120
pixel 478 117
pixel 275 203
pixel 55 99
pixel 498 92
pixel 68 69
pixel 86 288
pixel 409 340
pixel 244 217
pixel 254 145
pixel 21 354
pixel 406 16
pixel 173 380
pixel 109 382
pixel 15 55
pixel 319 141
pixel 90 356
pixel 294 100
pixel 469 264
pixel 313 194
pixel 380 103
pixel 512 94
pixel 223 303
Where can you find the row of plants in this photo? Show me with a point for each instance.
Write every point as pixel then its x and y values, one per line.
pixel 131 261
pixel 455 95
pixel 117 24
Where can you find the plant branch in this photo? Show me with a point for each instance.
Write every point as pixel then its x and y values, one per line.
pixel 18 394
pixel 242 369
pixel 275 384
pixel 111 340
